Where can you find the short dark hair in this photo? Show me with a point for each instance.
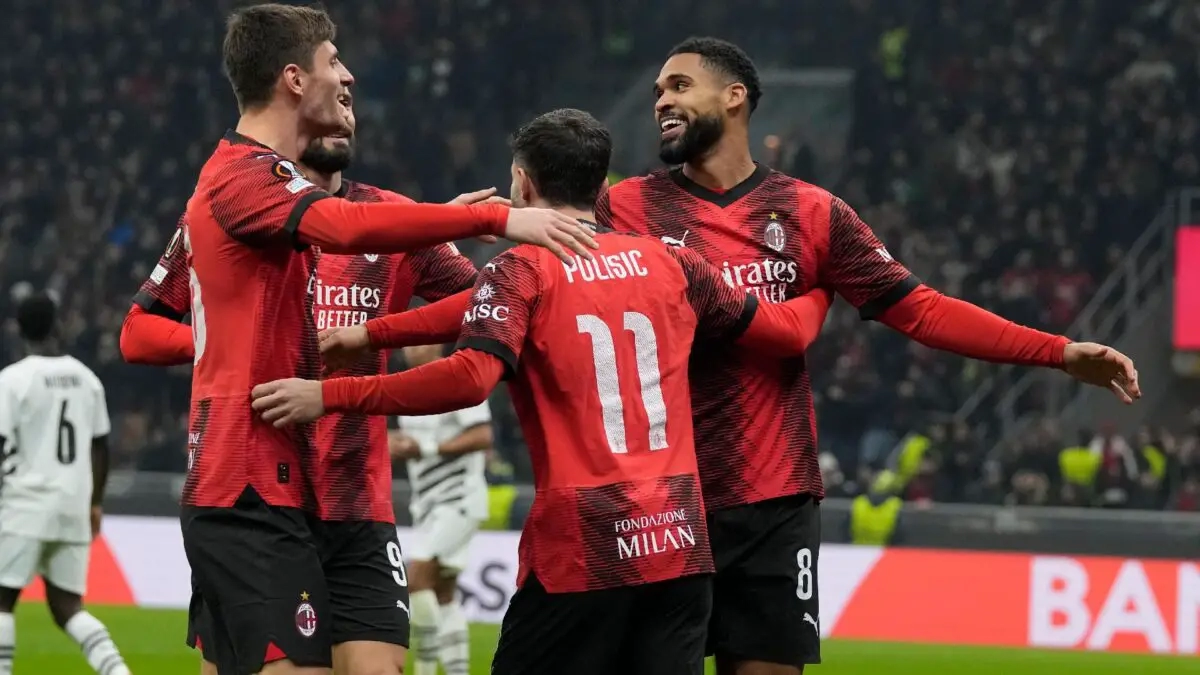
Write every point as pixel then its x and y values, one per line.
pixel 261 40
pixel 36 316
pixel 566 153
pixel 727 59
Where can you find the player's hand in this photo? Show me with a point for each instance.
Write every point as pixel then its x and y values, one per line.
pixel 1103 366
pixel 484 196
pixel 552 230
pixel 97 516
pixel 343 347
pixel 287 402
pixel 402 447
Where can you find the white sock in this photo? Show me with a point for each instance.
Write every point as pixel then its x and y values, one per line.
pixel 454 646
pixel 98 648
pixel 424 631
pixel 8 642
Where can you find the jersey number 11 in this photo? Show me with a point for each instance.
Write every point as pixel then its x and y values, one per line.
pixel 608 384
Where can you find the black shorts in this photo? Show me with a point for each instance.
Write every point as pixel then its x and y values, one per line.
pixel 654 629
pixel 367 581
pixel 257 572
pixel 199 630
pixel 765 599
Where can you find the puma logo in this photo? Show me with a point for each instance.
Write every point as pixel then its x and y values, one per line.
pixel 677 243
pixel 809 619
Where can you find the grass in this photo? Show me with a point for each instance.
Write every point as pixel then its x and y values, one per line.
pixel 152 642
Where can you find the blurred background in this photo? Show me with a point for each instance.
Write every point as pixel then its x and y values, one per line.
pixel 1035 158
pixel 1025 156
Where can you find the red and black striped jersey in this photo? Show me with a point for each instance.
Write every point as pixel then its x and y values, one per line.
pixel 777 238
pixel 598 357
pixel 355 468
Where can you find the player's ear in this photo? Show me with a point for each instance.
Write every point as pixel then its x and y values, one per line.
pixel 735 95
pixel 526 187
pixel 293 79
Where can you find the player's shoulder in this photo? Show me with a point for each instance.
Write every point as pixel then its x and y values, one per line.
pixel 239 158
pixel 778 180
pixel 637 184
pixel 15 372
pixel 617 240
pixel 355 191
pixel 524 254
pixel 85 373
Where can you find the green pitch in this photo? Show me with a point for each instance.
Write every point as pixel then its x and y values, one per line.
pixel 152 642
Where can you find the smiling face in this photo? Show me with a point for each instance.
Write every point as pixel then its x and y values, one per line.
pixel 329 154
pixel 324 91
pixel 692 103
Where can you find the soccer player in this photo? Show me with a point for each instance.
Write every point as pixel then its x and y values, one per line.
pixel 53 432
pixel 449 501
pixel 251 495
pixel 357 518
pixel 615 562
pixel 777 237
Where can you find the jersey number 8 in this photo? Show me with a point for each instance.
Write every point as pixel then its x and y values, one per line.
pixel 608 385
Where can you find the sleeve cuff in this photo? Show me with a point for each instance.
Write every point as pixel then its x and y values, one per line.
pixel 495 348
pixel 749 309
pixel 292 225
pixel 884 301
pixel 153 305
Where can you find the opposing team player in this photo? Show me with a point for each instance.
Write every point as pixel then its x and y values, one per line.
pixel 449 501
pixel 778 237
pixel 251 495
pixel 358 526
pixel 615 563
pixel 53 430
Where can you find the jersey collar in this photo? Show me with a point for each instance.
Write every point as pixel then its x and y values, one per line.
pixel 721 199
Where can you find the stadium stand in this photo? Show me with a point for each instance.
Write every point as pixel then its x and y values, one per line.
pixel 1008 151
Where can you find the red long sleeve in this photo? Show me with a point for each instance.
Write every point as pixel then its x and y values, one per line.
pixel 459 381
pixel 153 340
pixel 434 324
pixel 341 226
pixel 946 323
pixel 787 329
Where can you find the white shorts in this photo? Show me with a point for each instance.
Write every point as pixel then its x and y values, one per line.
pixel 445 535
pixel 62 564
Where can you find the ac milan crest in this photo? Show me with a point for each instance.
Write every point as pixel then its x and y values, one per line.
pixel 306 617
pixel 773 237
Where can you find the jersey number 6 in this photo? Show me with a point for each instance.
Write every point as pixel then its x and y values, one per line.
pixel 608 384
pixel 66 437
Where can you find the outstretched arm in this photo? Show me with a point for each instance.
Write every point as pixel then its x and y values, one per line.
pixel 953 325
pixel 461 380
pixel 861 269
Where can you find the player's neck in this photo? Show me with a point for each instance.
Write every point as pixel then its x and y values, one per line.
pixel 276 128
pixel 725 166
pixel 47 348
pixel 329 182
pixel 569 211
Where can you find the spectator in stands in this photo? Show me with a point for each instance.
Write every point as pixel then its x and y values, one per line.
pixel 1009 151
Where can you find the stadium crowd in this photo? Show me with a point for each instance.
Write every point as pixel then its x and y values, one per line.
pixel 1007 151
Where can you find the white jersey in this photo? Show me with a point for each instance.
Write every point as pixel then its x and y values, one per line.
pixel 51 408
pixel 458 481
